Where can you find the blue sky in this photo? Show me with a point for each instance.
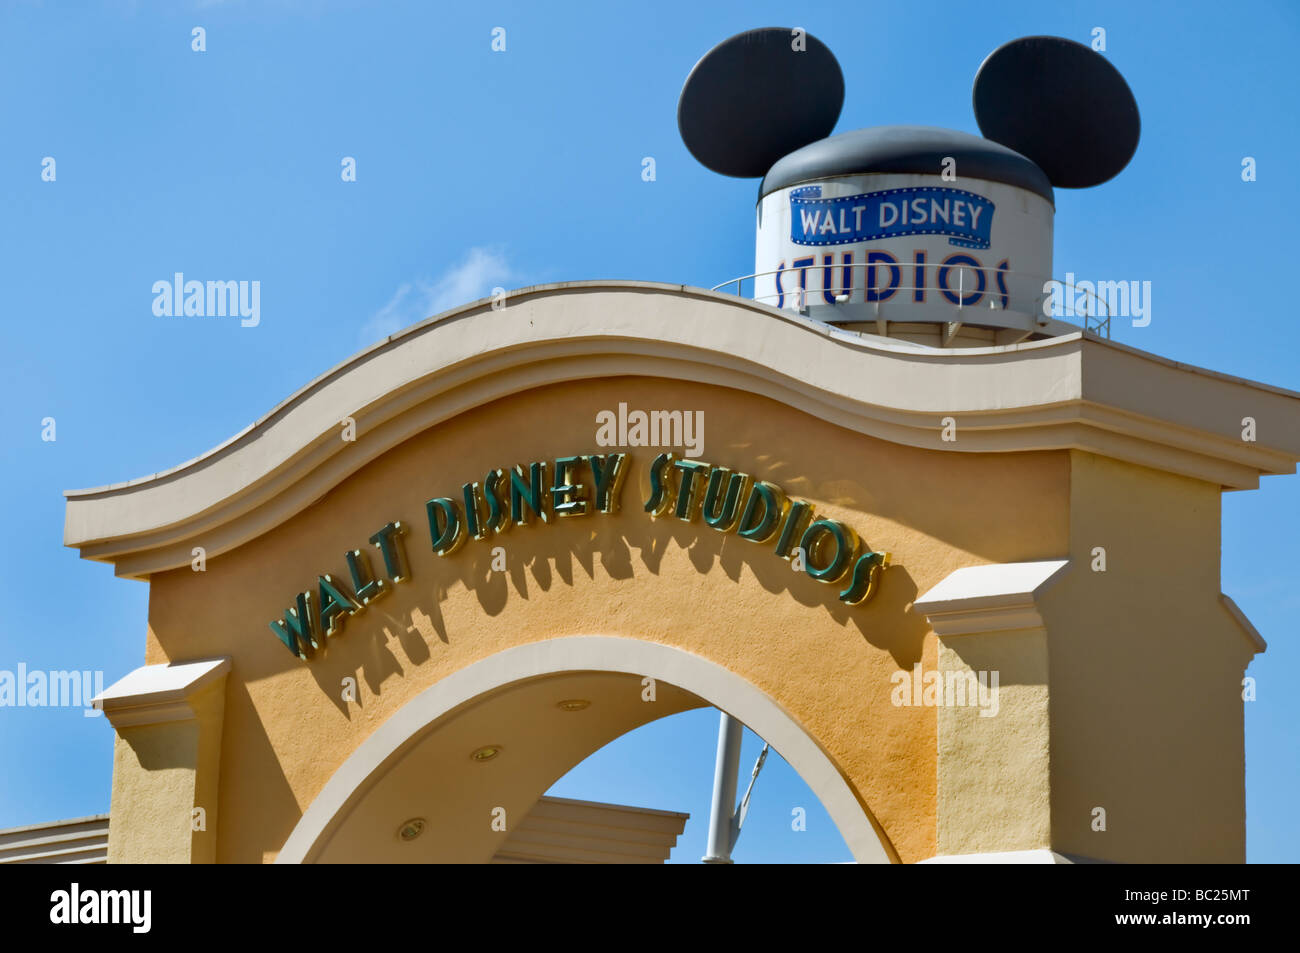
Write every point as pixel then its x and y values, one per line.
pixel 477 169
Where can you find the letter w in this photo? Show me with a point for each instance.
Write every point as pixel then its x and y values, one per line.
pixel 296 631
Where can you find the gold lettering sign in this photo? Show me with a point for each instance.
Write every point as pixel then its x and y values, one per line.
pixel 689 490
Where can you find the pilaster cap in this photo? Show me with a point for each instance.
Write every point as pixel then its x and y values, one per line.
pixel 158 693
pixel 1002 596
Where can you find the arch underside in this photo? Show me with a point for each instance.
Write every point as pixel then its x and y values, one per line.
pixel 418 764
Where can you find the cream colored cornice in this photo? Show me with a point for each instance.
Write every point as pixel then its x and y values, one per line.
pixel 1074 391
pixel 156 693
pixel 1001 597
pixel 1244 625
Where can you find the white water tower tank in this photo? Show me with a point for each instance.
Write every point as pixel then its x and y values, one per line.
pixel 901 228
pixel 931 235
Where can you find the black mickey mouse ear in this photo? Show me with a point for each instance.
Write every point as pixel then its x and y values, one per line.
pixel 758 96
pixel 1061 104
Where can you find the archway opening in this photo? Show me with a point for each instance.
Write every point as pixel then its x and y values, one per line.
pixel 668 764
pixel 450 773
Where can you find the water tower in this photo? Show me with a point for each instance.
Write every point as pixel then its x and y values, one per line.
pixel 918 233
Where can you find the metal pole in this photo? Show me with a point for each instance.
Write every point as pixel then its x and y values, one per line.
pixel 721 817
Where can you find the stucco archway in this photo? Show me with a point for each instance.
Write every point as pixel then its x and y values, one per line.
pixel 390 743
pixel 1058 453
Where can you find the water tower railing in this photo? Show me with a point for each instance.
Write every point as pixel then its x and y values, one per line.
pixel 1095 313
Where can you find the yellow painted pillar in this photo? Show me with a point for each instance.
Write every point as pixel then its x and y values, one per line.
pixel 166 762
pixel 990 691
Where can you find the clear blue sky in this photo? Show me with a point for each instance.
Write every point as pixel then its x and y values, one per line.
pixel 477 169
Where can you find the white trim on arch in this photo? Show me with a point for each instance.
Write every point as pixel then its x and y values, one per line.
pixel 723 688
pixel 1070 391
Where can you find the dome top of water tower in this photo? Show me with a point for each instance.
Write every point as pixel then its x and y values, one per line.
pixel 907 149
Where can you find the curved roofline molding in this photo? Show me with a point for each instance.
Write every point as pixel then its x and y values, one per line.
pixel 1074 391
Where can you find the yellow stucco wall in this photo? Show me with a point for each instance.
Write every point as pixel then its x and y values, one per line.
pixel 994 785
pixel 162 771
pixel 154 768
pixel 1146 669
pixel 287 728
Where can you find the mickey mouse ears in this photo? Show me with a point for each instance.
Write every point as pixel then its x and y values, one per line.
pixel 1060 104
pixel 758 96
